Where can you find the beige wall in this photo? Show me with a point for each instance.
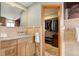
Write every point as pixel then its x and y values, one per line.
pixel 35 11
pixel 34 15
pixel 24 18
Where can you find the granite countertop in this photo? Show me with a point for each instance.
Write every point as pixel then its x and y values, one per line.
pixel 16 37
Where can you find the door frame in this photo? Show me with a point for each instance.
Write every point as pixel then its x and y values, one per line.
pixel 43 26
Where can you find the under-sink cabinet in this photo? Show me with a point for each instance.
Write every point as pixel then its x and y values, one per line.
pixel 9 48
pixel 26 47
pixel 17 47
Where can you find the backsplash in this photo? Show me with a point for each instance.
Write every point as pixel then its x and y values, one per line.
pixel 11 32
pixel 15 31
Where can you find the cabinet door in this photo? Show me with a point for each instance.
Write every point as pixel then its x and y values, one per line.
pixel 21 49
pixel 27 50
pixel 0 52
pixel 30 49
pixel 11 51
pixel 26 47
pixel 0 48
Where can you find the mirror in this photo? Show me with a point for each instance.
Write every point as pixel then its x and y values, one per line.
pixel 10 15
pixel 51 30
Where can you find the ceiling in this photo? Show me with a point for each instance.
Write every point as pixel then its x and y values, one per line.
pixel 13 10
pixel 20 5
pixel 9 11
pixel 26 4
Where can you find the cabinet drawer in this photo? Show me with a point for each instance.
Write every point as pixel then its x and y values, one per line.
pixel 24 40
pixel 8 43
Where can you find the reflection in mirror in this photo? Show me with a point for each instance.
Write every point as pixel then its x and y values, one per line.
pixel 10 23
pixel 10 15
pixel 51 31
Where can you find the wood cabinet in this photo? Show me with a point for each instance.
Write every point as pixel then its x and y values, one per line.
pixel 26 47
pixel 2 21
pixel 30 49
pixel 8 43
pixel 17 22
pixel 17 47
pixel 21 49
pixel 9 48
pixel 11 51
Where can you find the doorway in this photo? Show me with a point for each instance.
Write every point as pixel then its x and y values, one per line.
pixel 51 43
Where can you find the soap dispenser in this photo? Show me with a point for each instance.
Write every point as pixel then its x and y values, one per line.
pixel 37 38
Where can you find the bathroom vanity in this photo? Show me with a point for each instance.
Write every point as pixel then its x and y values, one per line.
pixel 19 46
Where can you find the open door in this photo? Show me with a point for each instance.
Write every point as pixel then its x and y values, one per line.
pixel 51 43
